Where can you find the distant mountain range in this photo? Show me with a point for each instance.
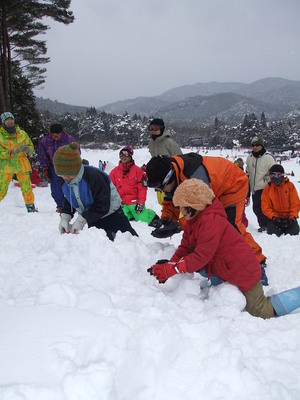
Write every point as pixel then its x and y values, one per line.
pixel 203 102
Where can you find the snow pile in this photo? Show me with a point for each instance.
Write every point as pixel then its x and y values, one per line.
pixel 81 319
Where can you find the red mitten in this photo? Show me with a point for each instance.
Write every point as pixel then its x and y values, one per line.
pixel 46 173
pixel 164 271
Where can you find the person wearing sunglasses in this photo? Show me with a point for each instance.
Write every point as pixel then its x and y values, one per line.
pixel 131 183
pixel 258 164
pixel 280 203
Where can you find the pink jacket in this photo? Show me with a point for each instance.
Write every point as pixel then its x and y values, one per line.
pixel 130 187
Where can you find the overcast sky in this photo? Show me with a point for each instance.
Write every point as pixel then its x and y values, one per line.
pixel 120 49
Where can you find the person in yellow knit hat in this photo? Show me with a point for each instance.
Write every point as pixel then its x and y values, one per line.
pixel 15 146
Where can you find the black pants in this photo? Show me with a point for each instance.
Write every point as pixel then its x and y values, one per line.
pixel 115 222
pixel 256 199
pixel 291 229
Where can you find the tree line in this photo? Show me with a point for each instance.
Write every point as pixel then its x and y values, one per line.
pixel 23 54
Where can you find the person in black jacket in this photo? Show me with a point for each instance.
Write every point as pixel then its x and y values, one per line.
pixel 91 193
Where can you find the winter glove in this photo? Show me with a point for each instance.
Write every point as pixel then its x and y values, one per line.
pixel 78 224
pixel 46 174
pixel 164 269
pixel 22 148
pixel 167 229
pixel 64 225
pixel 139 208
pixel 281 222
pixel 277 221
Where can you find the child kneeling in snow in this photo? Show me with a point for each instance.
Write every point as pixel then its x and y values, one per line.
pixel 210 244
pixel 89 192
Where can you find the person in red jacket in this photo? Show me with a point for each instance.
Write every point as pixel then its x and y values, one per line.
pixel 131 183
pixel 229 183
pixel 212 245
pixel 280 203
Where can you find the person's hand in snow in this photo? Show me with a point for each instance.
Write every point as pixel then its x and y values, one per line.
pixel 78 224
pixel 164 269
pixel 64 225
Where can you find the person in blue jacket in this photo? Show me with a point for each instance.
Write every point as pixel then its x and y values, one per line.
pixel 90 193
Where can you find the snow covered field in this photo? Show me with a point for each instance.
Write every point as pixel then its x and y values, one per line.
pixel 81 319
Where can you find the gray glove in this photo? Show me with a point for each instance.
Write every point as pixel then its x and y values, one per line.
pixel 22 147
pixel 64 225
pixel 78 224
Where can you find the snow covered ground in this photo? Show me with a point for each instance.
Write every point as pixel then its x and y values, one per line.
pixel 81 319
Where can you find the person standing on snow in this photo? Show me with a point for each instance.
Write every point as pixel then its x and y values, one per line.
pixel 48 145
pixel 15 146
pixel 212 246
pixel 161 144
pixel 131 183
pixel 280 203
pixel 91 193
pixel 258 164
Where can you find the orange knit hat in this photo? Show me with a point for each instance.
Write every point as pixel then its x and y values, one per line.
pixel 193 193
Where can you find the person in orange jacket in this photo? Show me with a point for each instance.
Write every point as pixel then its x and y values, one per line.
pixel 280 203
pixel 229 183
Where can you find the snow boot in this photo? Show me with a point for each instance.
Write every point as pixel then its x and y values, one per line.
pixel 31 208
pixel 286 302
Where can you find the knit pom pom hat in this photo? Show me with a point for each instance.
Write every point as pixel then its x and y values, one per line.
pixel 67 160
pixel 193 193
pixel 127 150
pixel 6 115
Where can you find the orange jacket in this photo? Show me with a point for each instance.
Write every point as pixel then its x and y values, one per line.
pixel 229 183
pixel 280 201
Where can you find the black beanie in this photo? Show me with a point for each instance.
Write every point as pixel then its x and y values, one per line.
pixel 276 168
pixel 157 169
pixel 159 122
pixel 56 128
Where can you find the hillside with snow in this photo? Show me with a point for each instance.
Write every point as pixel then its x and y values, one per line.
pixel 81 319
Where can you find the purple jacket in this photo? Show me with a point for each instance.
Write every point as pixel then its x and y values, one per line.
pixel 48 146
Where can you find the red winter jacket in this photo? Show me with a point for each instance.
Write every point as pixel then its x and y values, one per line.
pixel 130 186
pixel 209 241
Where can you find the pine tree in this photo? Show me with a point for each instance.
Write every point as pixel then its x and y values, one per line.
pixel 20 47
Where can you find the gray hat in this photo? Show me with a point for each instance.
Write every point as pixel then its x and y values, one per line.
pixel 257 140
